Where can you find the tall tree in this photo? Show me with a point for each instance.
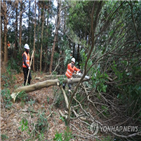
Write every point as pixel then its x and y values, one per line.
pixel 29 25
pixel 38 36
pixel 16 27
pixel 20 28
pixel 55 35
pixel 4 9
pixel 42 31
pixel 1 34
pixel 47 33
pixel 34 37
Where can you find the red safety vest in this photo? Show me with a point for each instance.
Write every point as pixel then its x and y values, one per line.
pixel 70 70
pixel 27 59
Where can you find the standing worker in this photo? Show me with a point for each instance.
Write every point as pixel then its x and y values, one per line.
pixel 26 62
pixel 8 44
pixel 70 70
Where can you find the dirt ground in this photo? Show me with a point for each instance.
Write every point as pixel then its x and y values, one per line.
pixel 37 103
pixel 10 118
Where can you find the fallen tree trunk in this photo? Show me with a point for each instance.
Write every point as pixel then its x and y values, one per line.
pixel 43 84
pixel 55 76
pixel 49 76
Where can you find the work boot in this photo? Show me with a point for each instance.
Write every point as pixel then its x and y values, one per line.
pixel 64 86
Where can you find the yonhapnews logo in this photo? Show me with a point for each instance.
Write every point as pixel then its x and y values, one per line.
pixel 95 128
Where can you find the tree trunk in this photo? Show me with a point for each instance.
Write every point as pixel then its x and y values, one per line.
pixel 55 36
pixel 47 34
pixel 74 50
pixel 1 34
pixel 38 38
pixel 42 15
pixel 20 34
pixel 16 28
pixel 29 36
pixel 78 55
pixel 5 33
pixel 34 38
pixel 46 83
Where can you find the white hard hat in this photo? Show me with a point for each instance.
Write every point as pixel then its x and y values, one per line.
pixel 26 46
pixel 73 60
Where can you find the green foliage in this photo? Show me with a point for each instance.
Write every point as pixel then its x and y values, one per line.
pixel 61 79
pixel 6 79
pixel 22 96
pixel 59 98
pixel 63 119
pixel 42 123
pixel 105 110
pixel 4 137
pixel 67 56
pixel 98 80
pixel 66 136
pixel 58 137
pixel 48 99
pixel 12 64
pixel 24 125
pixel 39 128
pixel 6 96
pixel 106 138
pixel 54 73
pixel 83 57
pixel 31 102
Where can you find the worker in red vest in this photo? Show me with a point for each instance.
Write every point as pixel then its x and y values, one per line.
pixel 26 63
pixel 70 70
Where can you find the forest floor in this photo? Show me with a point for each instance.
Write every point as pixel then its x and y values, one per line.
pixel 40 109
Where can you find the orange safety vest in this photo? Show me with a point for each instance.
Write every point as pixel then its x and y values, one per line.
pixel 27 59
pixel 70 70
pixel 8 44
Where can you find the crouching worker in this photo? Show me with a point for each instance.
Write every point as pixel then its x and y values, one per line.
pixel 70 70
pixel 26 64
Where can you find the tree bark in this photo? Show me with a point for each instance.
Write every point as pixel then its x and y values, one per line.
pixel 38 38
pixel 46 51
pixel 1 33
pixel 78 54
pixel 47 83
pixel 55 37
pixel 42 15
pixel 20 34
pixel 34 38
pixel 5 33
pixel 29 37
pixel 16 28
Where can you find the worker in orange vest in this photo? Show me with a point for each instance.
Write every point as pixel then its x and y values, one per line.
pixel 26 63
pixel 8 44
pixel 70 70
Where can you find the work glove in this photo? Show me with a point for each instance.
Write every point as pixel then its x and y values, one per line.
pixel 29 68
pixel 87 77
pixel 80 71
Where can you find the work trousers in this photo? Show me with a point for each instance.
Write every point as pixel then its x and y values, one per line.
pixel 64 85
pixel 25 71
